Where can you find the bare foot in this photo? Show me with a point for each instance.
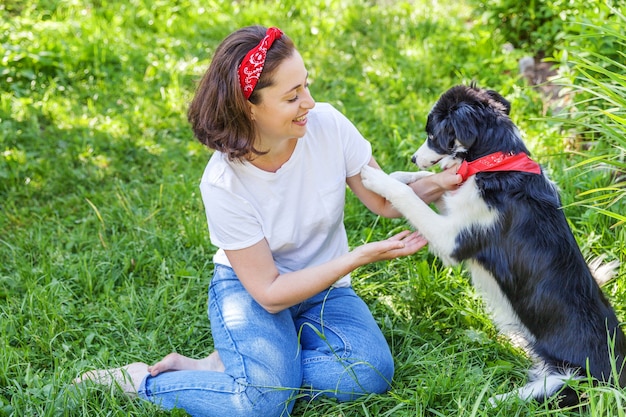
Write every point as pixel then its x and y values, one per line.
pixel 177 362
pixel 128 377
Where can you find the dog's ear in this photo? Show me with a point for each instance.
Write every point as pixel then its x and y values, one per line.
pixel 465 121
pixel 498 98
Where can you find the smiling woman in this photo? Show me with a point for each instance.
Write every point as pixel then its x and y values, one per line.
pixel 284 317
pixel 280 118
pixel 104 252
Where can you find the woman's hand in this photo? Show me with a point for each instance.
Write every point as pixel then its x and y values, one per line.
pixel 432 187
pixel 429 189
pixel 274 291
pixel 448 179
pixel 403 244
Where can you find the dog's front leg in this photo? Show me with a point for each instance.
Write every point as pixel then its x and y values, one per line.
pixel 430 224
pixel 392 189
pixel 407 177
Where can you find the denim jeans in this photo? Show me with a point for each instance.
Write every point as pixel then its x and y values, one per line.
pixel 328 345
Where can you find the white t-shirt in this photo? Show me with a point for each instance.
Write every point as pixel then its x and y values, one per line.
pixel 299 208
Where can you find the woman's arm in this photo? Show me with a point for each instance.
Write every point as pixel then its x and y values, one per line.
pixel 275 292
pixel 429 189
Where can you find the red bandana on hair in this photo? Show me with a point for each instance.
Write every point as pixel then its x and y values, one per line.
pixel 499 161
pixel 252 65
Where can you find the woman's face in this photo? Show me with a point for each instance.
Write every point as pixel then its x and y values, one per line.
pixel 282 111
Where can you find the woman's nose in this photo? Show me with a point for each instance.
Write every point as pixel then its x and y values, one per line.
pixel 308 102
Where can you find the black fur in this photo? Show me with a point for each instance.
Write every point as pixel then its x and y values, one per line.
pixel 531 250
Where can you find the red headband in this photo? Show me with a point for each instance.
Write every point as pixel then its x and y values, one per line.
pixel 252 64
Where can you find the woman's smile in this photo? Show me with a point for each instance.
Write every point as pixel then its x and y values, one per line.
pixel 301 120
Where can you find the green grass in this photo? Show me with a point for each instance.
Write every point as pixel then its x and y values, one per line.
pixel 104 253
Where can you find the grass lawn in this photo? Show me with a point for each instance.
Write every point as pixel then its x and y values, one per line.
pixel 105 257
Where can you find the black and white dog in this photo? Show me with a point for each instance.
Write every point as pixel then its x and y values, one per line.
pixel 506 223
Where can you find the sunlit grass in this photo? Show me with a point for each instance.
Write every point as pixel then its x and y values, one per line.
pixel 104 253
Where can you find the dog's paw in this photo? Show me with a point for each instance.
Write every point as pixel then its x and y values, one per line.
pixel 406 177
pixel 377 181
pixel 497 399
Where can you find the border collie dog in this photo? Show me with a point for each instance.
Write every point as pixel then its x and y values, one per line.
pixel 506 223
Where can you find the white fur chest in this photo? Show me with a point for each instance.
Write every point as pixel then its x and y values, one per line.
pixel 465 207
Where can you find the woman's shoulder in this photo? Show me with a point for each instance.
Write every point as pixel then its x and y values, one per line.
pixel 217 171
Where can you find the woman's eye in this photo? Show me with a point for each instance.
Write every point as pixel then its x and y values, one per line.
pixel 291 100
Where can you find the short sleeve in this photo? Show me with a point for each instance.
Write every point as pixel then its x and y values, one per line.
pixel 357 150
pixel 233 222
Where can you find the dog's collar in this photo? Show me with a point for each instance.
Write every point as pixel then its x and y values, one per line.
pixel 499 161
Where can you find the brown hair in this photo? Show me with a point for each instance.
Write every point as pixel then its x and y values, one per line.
pixel 219 113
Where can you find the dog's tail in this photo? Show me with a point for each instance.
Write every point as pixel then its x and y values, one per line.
pixel 603 272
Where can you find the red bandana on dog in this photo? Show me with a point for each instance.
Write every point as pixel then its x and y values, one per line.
pixel 252 65
pixel 499 161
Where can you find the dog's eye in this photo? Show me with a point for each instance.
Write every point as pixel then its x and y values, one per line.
pixel 451 144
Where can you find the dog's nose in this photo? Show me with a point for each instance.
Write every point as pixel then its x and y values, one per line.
pixel 413 159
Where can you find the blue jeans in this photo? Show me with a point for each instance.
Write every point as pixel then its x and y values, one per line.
pixel 327 345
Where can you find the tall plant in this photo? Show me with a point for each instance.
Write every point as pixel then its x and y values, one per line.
pixel 538 26
pixel 596 56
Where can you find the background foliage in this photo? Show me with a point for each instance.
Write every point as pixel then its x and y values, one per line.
pixel 104 254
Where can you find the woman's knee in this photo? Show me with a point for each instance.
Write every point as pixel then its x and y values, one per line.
pixel 368 378
pixel 376 369
pixel 355 379
pixel 381 376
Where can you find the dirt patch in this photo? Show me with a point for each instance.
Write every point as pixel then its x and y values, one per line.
pixel 542 75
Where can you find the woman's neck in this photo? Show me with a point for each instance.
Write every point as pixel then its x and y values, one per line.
pixel 276 156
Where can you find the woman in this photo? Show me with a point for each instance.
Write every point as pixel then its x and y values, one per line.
pixel 284 318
